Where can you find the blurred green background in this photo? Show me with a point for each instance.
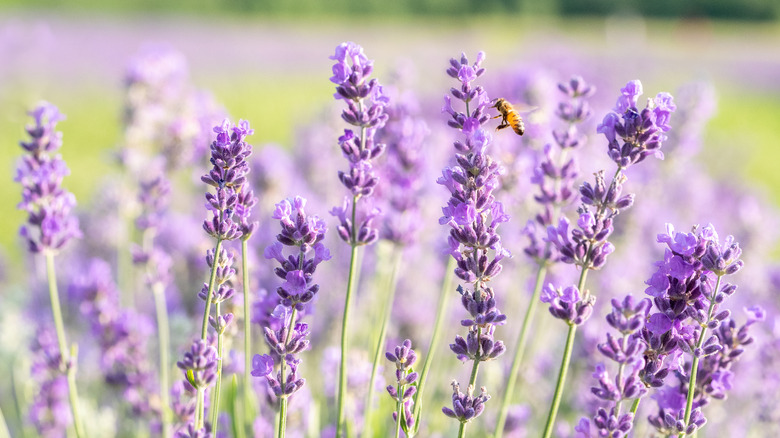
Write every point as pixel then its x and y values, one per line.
pixel 266 61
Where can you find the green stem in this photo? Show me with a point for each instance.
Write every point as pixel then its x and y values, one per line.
pixel 472 381
pixel 164 346
pixel 351 283
pixel 218 387
pixel 695 362
pixel 283 399
pixel 564 365
pixel 399 409
pixel 210 298
pixel 248 405
pixel 635 407
pixel 446 286
pixel 380 342
pixel 514 372
pixel 64 356
pixel 199 406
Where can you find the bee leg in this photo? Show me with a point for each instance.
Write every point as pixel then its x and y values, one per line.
pixel 502 126
pixel 496 116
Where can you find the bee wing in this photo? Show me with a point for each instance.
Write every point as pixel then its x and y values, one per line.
pixel 525 108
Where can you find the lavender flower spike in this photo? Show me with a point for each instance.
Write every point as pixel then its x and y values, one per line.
pixel 366 101
pixel 473 215
pixel 406 386
pixel 632 136
pixel 287 339
pixel 50 224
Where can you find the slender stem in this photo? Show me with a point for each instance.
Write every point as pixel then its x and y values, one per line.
pixel 199 407
pixel 472 382
pixel 64 357
pixel 446 286
pixel 238 422
pixel 210 298
pixel 248 405
pixel 380 342
pixel 351 283
pixel 399 410
pixel 695 361
pixel 514 372
pixel 283 398
pixel 218 387
pixel 564 365
pixel 164 346
pixel 635 406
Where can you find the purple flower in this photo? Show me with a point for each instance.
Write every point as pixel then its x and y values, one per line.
pixel 404 134
pixel 49 411
pixel 283 332
pixel 262 365
pixel 464 406
pixel 229 153
pixel 642 132
pixel 199 364
pixel 121 336
pixel 50 224
pixel 406 382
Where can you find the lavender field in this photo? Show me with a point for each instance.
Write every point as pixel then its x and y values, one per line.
pixel 240 227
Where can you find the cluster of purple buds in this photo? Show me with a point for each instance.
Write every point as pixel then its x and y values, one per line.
pixel 404 358
pixel 587 246
pixel 403 134
pixel 50 224
pixel 466 407
pixel 568 303
pixel 263 366
pixel 628 318
pixel 555 174
pixel 366 103
pixel 682 286
pixel 306 233
pixel 641 132
pixel 191 431
pixel 229 154
pixel 49 411
pixel 466 74
pixel 473 215
pixel 223 287
pixel 715 376
pixel 670 419
pixel 154 200
pixel 687 303
pixel 479 345
pixel 121 335
pixel 183 402
pixel 200 365
pixel 287 339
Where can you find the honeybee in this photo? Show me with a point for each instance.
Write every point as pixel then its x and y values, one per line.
pixel 509 116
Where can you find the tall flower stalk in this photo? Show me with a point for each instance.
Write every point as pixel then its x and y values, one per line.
pixel 405 387
pixel 687 291
pixel 632 136
pixel 365 101
pixel 154 199
pixel 403 134
pixel 50 223
pixel 304 233
pixel 229 154
pixel 628 318
pixel 554 176
pixel 473 215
